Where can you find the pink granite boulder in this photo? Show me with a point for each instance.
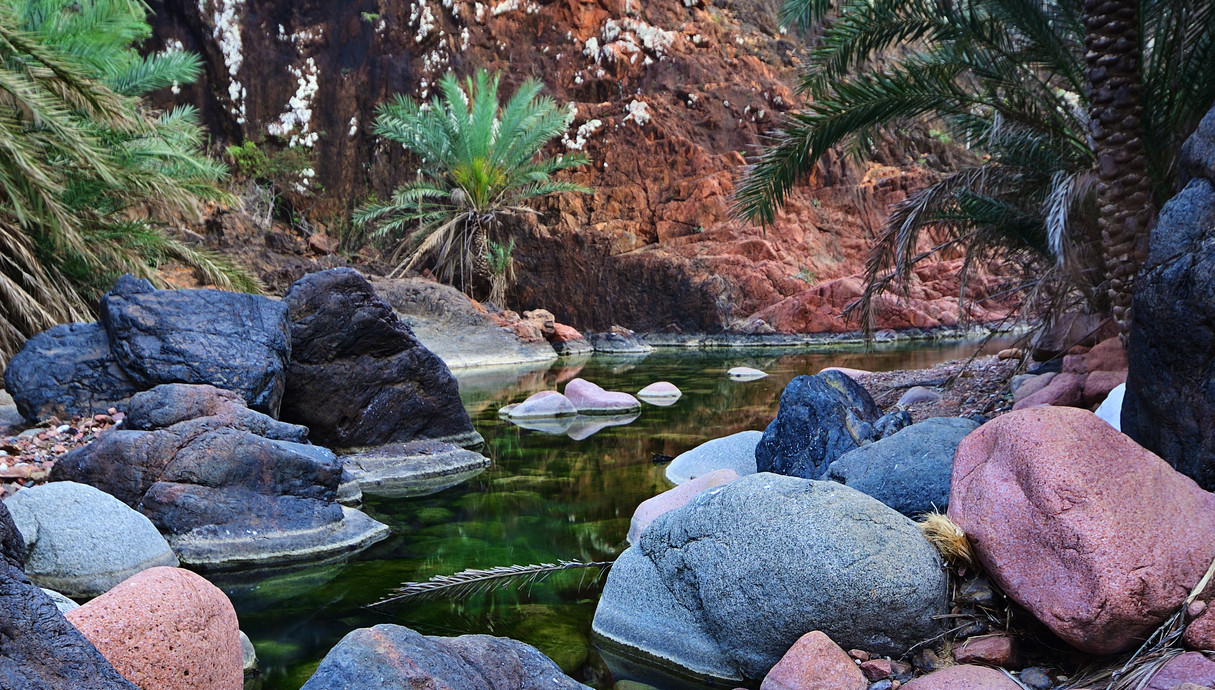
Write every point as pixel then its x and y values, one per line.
pixel 1064 390
pixel 590 398
pixel 166 628
pixel 675 498
pixel 814 662
pixel 1191 667
pixel 1032 385
pixel 1098 538
pixel 964 677
pixel 542 405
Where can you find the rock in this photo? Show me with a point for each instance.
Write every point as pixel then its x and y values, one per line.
pixel 230 340
pixel 589 398
pixel 62 603
pixel 618 341
pixel 735 452
pixel 891 423
pixel 876 669
pixel 81 541
pixel 675 498
pixel 417 468
pixel 248 655
pixel 1099 384
pixel 725 585
pixel 1036 678
pixel 964 678
pixel 1064 390
pixel 909 470
pixel 1107 355
pixel 1035 493
pixel 40 650
pixel 1191 667
pixel 815 663
pixel 990 650
pixel 358 377
pixel 746 374
pixel 573 347
pixel 1200 633
pixel 170 403
pixel 660 394
pixel 821 417
pixel 583 427
pixel 166 628
pixel 67 370
pixel 1170 389
pixel 543 405
pixel 1010 353
pixel 392 657
pixel 223 496
pixel 847 371
pixel 454 327
pixel 1197 157
pixel 1032 384
pixel 919 395
pixel 1069 330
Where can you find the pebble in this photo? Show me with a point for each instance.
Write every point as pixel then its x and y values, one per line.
pixel 1035 678
pixel 882 685
pixel 30 455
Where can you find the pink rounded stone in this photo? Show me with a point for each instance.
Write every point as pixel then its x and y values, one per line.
pixel 590 398
pixel 168 629
pixel 678 497
pixel 1191 667
pixel 1200 634
pixel 814 662
pixel 990 650
pixel 1064 390
pixel 543 405
pixel 964 677
pixel 1098 538
pixel 850 373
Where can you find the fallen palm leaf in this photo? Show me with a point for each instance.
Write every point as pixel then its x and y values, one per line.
pixel 476 581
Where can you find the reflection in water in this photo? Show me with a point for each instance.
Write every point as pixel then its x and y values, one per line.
pixel 547 497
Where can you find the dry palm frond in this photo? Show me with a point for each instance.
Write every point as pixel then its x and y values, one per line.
pixel 949 540
pixel 476 581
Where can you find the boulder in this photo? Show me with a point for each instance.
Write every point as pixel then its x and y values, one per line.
pixel 965 677
pixel 735 452
pixel 675 498
pixel 619 341
pixel 358 377
pixel 393 657
pixel 542 405
pixel 660 394
pixel 725 585
pixel 81 541
pixel 908 470
pixel 65 371
pixel 1030 384
pixel 590 398
pixel 1067 515
pixel 821 417
pixel 166 628
pixel 1069 330
pixel 231 340
pixel 417 468
pixel 1170 388
pixel 1107 355
pixel 224 496
pixel 1064 390
pixel 918 395
pixel 454 327
pixel 1099 384
pixel 573 347
pixel 39 648
pixel 814 662
pixel 1191 667
pixel 170 403
pixel 746 374
pixel 1110 409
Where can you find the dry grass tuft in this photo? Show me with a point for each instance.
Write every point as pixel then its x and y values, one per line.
pixel 949 540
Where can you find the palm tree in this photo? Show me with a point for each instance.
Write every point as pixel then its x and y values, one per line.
pixel 1007 78
pixel 85 169
pixel 480 163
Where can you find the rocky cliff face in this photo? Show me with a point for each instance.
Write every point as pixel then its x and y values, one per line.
pixel 670 96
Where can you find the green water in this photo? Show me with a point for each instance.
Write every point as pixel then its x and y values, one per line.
pixel 546 498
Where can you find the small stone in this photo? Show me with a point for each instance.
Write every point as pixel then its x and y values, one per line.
pixel 1010 353
pixel 858 654
pixel 590 398
pixel 1191 667
pixel 928 661
pixel 883 685
pixel 919 395
pixel 543 405
pixel 815 662
pixel 660 394
pixel 1196 609
pixel 877 669
pixel 746 374
pixel 1035 678
pixel 989 650
pixel 964 678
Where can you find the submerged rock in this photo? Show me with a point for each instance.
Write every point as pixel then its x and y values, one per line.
pixel 725 585
pixel 417 468
pixel 746 374
pixel 81 541
pixel 821 417
pixel 393 657
pixel 358 376
pixel 542 405
pixel 660 394
pixel 735 452
pixel 618 341
pixel 590 398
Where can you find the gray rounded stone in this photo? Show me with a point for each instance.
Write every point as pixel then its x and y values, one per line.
pixel 736 452
pixel 62 603
pixel 726 584
pixel 909 470
pixel 82 541
pixel 248 654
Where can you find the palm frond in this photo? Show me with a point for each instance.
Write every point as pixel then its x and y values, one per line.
pixel 478 581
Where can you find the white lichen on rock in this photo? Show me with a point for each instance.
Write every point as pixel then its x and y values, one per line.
pixel 299 108
pixel 582 135
pixel 638 111
pixel 225 18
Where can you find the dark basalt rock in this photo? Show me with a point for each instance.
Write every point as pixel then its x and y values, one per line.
pixel 39 648
pixel 223 495
pixel 232 340
pixel 821 417
pixel 393 657
pixel 358 377
pixel 67 370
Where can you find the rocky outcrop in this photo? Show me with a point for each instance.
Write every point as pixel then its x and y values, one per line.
pixel 166 628
pixel 821 417
pixel 725 585
pixel 358 376
pixel 1170 388
pixel 223 495
pixel 393 657
pixel 1066 514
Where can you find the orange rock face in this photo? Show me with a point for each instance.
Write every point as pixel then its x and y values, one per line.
pixel 166 629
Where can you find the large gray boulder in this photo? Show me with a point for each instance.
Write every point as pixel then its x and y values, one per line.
pixel 81 541
pixel 735 452
pixel 1169 403
pixel 726 584
pixel 909 470
pixel 393 657
pixel 821 417
pixel 67 370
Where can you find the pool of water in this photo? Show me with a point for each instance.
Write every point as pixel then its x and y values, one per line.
pixel 546 498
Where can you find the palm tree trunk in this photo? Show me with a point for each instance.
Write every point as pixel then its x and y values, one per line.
pixel 1124 193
